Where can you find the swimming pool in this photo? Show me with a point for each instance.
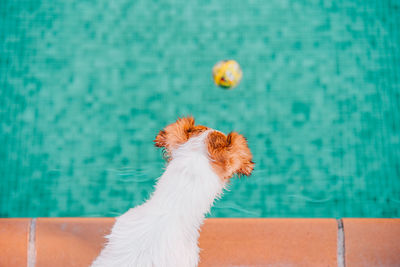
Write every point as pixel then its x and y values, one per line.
pixel 86 85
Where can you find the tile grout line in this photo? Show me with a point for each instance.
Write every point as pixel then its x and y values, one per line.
pixel 31 261
pixel 340 244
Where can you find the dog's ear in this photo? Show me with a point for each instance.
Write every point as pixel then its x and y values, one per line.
pixel 217 144
pixel 229 154
pixel 161 139
pixel 181 129
pixel 177 133
pixel 241 154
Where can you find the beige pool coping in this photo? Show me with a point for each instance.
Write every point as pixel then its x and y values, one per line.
pixel 41 242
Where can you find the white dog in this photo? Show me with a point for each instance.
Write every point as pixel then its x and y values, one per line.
pixel 163 232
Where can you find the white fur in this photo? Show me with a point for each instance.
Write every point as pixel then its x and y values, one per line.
pixel 163 232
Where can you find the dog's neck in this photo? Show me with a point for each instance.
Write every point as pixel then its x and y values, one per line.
pixel 189 186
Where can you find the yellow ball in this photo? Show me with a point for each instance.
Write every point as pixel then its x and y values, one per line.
pixel 227 74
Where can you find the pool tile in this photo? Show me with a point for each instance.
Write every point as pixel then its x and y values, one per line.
pixel 372 242
pixel 14 237
pixel 272 242
pixel 70 242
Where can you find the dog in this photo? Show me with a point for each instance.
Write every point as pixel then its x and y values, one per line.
pixel 164 231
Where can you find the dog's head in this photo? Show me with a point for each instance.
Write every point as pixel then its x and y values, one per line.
pixel 229 154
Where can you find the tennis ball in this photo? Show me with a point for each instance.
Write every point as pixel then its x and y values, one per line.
pixel 227 73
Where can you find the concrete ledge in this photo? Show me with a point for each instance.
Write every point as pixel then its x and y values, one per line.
pixel 372 242
pixel 63 242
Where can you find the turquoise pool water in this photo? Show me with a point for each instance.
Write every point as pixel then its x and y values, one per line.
pixel 86 85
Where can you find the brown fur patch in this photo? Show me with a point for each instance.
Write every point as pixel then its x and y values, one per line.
pixel 178 133
pixel 229 154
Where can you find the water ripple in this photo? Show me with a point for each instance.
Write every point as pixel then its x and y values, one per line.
pixel 237 208
pixel 308 199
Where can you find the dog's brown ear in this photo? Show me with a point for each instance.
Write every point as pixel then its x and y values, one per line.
pixel 229 154
pixel 178 133
pixel 181 129
pixel 161 139
pixel 246 168
pixel 241 154
pixel 217 146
